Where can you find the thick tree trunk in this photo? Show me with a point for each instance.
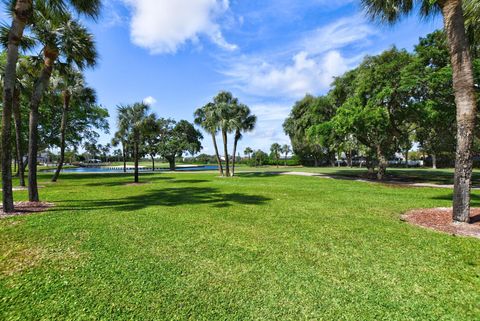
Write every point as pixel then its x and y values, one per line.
pixel 225 150
pixel 434 161
pixel 63 134
pixel 217 154
pixel 171 162
pixel 463 86
pixel 234 160
pixel 21 14
pixel 382 164
pixel 18 136
pixel 135 156
pixel 40 87
pixel 315 161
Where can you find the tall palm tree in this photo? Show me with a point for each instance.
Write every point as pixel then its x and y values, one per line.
pixel 72 85
pixel 61 37
pixel 248 152
pixel 463 83
pixel 133 120
pixel 22 13
pixel 275 150
pixel 243 122
pixel 285 150
pixel 224 108
pixel 205 117
pixel 122 134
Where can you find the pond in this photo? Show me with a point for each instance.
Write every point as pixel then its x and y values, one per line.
pixel 120 169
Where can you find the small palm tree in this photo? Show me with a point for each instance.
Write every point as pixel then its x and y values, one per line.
pixel 285 150
pixel 206 118
pixel 463 83
pixel 22 12
pixel 244 122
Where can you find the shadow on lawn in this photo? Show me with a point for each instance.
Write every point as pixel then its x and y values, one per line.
pixel 475 199
pixel 169 197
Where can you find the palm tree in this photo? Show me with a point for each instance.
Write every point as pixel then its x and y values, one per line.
pixel 275 150
pixel 22 12
pixel 248 152
pixel 243 121
pixel 285 150
pixel 205 117
pixel 61 37
pixel 133 120
pixel 463 83
pixel 122 135
pixel 224 108
pixel 72 86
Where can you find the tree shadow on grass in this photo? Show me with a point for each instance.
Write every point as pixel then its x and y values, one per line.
pixel 474 202
pixel 168 197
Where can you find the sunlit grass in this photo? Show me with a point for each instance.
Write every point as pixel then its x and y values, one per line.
pixel 257 246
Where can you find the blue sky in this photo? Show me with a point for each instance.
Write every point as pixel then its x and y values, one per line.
pixel 269 53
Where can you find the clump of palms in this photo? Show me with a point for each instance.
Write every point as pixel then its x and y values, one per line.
pixel 463 80
pixel 285 150
pixel 225 115
pixel 133 121
pixel 23 15
pixel 275 151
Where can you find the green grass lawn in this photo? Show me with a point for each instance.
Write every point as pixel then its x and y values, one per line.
pixel 257 246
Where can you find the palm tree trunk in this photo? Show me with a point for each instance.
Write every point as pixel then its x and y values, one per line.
pixel 219 161
pixel 40 86
pixel 463 86
pixel 18 136
pixel 225 150
pixel 135 155
pixel 235 143
pixel 63 130
pixel 22 13
pixel 124 158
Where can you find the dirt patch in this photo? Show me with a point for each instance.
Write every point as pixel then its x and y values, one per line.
pixel 25 208
pixel 440 219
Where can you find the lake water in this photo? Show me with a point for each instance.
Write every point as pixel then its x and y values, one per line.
pixel 120 170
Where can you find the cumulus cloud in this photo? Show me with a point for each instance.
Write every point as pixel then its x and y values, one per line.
pixel 149 100
pixel 313 62
pixel 163 26
pixel 304 74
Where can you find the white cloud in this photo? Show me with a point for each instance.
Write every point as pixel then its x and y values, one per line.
pixel 305 74
pixel 163 26
pixel 149 100
pixel 313 62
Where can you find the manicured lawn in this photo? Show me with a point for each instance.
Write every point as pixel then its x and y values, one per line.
pixel 258 246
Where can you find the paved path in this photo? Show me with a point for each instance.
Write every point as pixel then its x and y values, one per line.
pixel 319 175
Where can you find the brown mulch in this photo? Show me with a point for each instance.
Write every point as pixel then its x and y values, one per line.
pixel 440 219
pixel 25 208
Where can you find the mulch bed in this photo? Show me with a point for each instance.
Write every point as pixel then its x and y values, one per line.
pixel 440 219
pixel 25 208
